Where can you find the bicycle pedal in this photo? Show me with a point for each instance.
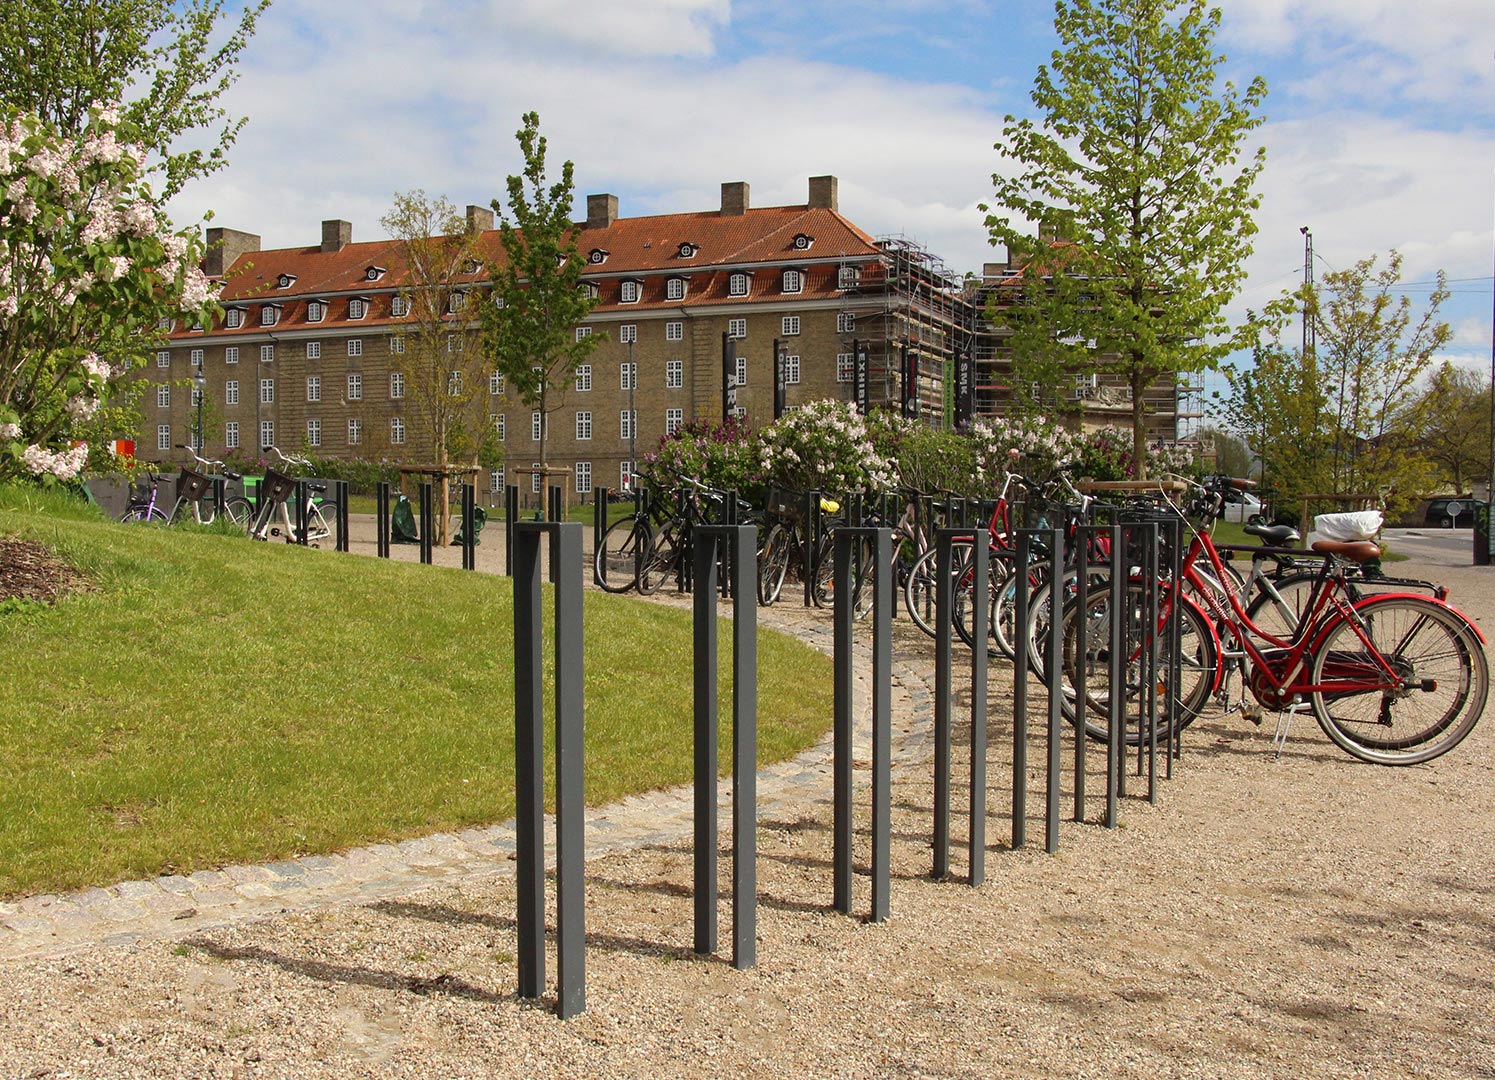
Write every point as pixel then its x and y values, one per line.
pixel 1252 713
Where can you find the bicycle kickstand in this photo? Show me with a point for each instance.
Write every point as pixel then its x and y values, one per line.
pixel 1284 724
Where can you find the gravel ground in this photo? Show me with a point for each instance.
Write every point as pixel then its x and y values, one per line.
pixel 1308 917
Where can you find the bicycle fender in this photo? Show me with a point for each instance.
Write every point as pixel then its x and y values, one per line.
pixel 1329 624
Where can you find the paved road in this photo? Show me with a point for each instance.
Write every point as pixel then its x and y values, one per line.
pixel 1440 547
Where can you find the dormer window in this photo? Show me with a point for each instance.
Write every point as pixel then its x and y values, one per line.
pixel 399 307
pixel 373 273
pixel 285 281
pixel 588 289
pixel 457 302
pixel 846 277
pixel 560 259
pixel 165 325
pixel 803 242
pixel 738 284
pixel 628 293
pixel 316 311
pixel 233 318
pixel 597 256
pixel 471 266
pixel 794 281
pixel 269 314
pixel 358 307
pixel 688 250
pixel 674 289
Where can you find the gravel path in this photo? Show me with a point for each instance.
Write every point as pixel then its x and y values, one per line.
pixel 1308 917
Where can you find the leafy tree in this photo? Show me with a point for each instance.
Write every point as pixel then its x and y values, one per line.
pixel 1133 178
pixel 529 329
pixel 1454 432
pixel 446 377
pixel 166 63
pixel 1232 456
pixel 89 269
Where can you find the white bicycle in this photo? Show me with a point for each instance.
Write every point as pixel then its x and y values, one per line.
pixel 317 517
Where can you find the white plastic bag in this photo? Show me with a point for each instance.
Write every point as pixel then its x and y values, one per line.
pixel 1354 525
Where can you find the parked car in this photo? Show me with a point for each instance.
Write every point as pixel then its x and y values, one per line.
pixel 1457 511
pixel 1242 507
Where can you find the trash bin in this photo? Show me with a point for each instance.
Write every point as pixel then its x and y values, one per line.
pixel 402 528
pixel 479 518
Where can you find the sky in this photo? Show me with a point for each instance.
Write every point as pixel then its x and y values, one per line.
pixel 1379 119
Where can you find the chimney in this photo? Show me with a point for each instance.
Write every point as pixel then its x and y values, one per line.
pixel 992 271
pixel 734 199
pixel 336 235
pixel 823 193
pixel 224 248
pixel 602 211
pixel 479 219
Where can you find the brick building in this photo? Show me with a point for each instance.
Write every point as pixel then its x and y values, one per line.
pixel 307 355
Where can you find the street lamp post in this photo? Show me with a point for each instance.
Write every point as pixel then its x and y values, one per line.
pixel 201 381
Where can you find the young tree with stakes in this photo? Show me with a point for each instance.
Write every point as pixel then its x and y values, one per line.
pixel 530 327
pixel 1135 161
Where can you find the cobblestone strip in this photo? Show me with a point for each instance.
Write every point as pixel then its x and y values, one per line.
pixel 177 905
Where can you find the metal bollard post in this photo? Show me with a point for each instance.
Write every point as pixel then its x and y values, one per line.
pixel 511 521
pixel 1021 599
pixel 469 527
pixel 427 521
pixel 1116 674
pixel 342 515
pixel 381 520
pixel 1054 673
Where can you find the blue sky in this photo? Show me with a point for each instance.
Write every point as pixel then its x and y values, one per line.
pixel 1380 118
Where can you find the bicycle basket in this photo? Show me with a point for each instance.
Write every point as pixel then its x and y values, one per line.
pixel 277 487
pixel 192 485
pixel 789 505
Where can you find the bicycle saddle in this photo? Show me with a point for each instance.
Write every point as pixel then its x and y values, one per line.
pixel 1276 535
pixel 1349 550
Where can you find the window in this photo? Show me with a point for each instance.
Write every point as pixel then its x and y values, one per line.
pixel 688 250
pixel 231 435
pixel 674 374
pixel 267 432
pixel 399 307
pixel 285 281
pixel 628 333
pixel 454 384
pixel 496 479
pixel 396 385
pixel 195 358
pixel 163 359
pixel 267 354
pixel 314 388
pixel 534 426
pixel 231 355
pixel 674 289
pixel 355 386
pixel 583 378
pixel 627 376
pixel 583 425
pixel 791 370
pixel 628 292
pixel 456 302
pixel 163 397
pixel 196 400
pixel 674 331
pixel 803 242
pixel 846 322
pixel 358 307
pixel 355 346
pixel 314 433
pixel 737 285
pixel 598 256
pixel 269 315
pixel 163 437
pixel 793 281
pixel 737 328
pixel 314 350
pixel 741 371
pixel 588 289
pixel 233 318
pixel 845 367
pixel 495 383
pixel 674 420
pixel 355 432
pixel 625 474
pixel 627 421
pixel 397 431
pixel 316 311
pixel 231 392
pixel 396 346
pixel 791 325
pixel 846 277
pixel 583 477
pixel 534 479
pixel 499 426
pixel 267 391
pixel 583 332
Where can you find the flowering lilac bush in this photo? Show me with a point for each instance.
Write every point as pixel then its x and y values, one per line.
pixel 718 455
pixel 1041 447
pixel 89 269
pixel 826 445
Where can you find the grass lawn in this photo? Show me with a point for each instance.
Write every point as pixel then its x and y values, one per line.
pixel 217 701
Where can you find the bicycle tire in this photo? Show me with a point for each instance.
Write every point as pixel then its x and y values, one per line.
pixel 659 565
pixel 240 511
pixel 1437 691
pixel 773 564
pixel 1000 569
pixel 321 524
pixel 615 564
pixel 1003 621
pixel 1196 648
pixel 144 515
pixel 919 591
pixel 1278 614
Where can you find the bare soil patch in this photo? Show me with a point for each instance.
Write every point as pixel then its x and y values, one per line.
pixel 30 571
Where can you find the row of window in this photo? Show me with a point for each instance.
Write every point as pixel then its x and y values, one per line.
pixel 736 329
pixel 313 389
pixel 267 433
pixel 581 471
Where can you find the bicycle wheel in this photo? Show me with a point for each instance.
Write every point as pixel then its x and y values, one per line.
pixel 321 525
pixel 919 591
pixel 773 564
pixel 1195 647
pixel 1004 629
pixel 659 564
pixel 240 512
pixel 964 596
pixel 1428 702
pixel 1280 602
pixel 143 514
pixel 616 561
